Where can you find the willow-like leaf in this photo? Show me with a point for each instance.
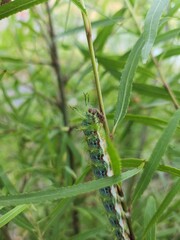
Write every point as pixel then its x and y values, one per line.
pixel 126 82
pixel 164 205
pixel 151 26
pixel 65 192
pixel 156 155
pixel 8 9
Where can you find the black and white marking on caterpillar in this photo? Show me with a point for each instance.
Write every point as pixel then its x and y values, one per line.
pixel 92 126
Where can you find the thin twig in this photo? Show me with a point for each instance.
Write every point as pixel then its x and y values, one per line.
pixel 63 107
pixel 166 86
pixel 56 66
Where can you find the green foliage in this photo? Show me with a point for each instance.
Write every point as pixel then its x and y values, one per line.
pixel 149 211
pixel 16 6
pixel 7 217
pixel 66 192
pixel 114 157
pixel 151 26
pixel 156 155
pixel 126 81
pixel 163 206
pixel 47 188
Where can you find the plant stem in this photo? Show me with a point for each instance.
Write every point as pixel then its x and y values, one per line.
pixel 88 29
pixel 166 86
pixel 57 67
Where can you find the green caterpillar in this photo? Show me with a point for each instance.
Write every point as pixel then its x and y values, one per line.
pixel 93 131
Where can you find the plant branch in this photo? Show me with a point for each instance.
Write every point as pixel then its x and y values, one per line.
pixel 166 86
pixel 61 80
pixel 88 29
pixel 56 66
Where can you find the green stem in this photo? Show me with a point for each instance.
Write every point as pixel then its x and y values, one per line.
pixel 87 25
pixel 88 29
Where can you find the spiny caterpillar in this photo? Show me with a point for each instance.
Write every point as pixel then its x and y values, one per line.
pixel 101 166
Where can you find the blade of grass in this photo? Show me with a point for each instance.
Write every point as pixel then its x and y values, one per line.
pixel 164 205
pixel 156 156
pixel 151 26
pixel 65 192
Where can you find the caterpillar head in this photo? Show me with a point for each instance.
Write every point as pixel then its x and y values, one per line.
pixel 96 113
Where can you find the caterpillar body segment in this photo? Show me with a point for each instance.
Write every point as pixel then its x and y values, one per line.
pixel 92 126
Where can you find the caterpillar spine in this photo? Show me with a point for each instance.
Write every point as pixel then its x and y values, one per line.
pixel 92 128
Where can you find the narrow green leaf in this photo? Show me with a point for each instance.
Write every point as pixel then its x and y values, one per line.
pixel 156 155
pixel 114 157
pixel 136 162
pixel 11 214
pixel 153 91
pixel 62 206
pixel 164 205
pixel 126 82
pixel 173 208
pixel 149 121
pixel 16 6
pixel 21 221
pixel 151 26
pixel 58 211
pixel 95 24
pixel 149 212
pixel 105 32
pixel 171 52
pixel 65 192
pixel 79 5
pixel 168 35
pixel 11 189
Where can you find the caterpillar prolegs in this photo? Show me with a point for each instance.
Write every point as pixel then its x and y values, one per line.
pixel 92 128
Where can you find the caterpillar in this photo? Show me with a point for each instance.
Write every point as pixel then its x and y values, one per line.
pixel 92 126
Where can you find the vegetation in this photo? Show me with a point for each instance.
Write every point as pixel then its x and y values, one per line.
pixel 60 58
